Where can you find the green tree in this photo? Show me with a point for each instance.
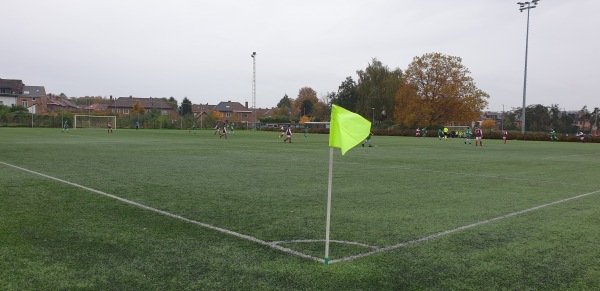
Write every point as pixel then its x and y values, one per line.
pixel 555 116
pixel 438 90
pixel 347 95
pixel 282 111
pixel 173 102
pixel 6 114
pixel 285 102
pixel 585 116
pixel 186 107
pixel 376 90
pixel 304 104
pixel 537 118
pixel 306 108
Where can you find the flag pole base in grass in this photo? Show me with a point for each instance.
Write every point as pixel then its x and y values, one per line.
pixel 326 261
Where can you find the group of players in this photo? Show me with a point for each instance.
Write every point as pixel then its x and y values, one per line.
pixel 221 129
pixel 444 133
pixel 579 134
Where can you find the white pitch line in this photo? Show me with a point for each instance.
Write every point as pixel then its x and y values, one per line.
pixel 202 224
pixel 446 232
pixel 323 241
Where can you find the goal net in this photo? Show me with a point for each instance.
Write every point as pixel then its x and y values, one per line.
pixel 94 121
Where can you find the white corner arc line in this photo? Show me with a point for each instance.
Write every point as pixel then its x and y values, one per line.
pixel 202 224
pixel 443 233
pixel 323 241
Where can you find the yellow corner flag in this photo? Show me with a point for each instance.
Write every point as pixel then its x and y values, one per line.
pixel 347 129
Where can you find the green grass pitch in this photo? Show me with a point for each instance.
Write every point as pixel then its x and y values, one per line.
pixel 56 235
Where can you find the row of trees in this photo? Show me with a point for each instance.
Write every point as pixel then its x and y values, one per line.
pixel 434 90
pixel 544 118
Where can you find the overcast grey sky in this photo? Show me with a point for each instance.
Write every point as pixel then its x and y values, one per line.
pixel 201 49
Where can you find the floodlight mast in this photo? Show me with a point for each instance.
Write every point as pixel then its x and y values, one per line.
pixel 526 6
pixel 253 89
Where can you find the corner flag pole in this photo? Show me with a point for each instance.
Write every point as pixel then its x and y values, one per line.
pixel 347 129
pixel 327 224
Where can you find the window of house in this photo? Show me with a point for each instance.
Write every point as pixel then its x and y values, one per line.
pixel 245 115
pixel 126 111
pixel 24 103
pixel 228 114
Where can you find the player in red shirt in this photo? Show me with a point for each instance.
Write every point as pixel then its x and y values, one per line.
pixel 504 135
pixel 288 133
pixel 478 136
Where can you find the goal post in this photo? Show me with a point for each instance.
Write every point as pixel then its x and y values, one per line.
pixel 93 121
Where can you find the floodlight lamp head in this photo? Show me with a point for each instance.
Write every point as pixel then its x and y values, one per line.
pixel 253 54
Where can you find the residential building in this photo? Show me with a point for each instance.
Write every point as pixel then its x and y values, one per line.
pixel 124 105
pixel 57 104
pixel 235 112
pixel 10 90
pixel 34 98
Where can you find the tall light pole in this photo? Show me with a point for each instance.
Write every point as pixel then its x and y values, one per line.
pixel 595 127
pixel 254 89
pixel 526 6
pixel 373 116
pixel 502 116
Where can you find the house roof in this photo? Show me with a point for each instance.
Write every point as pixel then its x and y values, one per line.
pixel 96 106
pixel 229 106
pixel 11 87
pixel 202 108
pixel 33 91
pixel 265 111
pixel 61 102
pixel 147 103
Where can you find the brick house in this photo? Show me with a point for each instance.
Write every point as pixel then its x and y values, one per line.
pixel 34 98
pixel 124 105
pixel 235 112
pixel 57 104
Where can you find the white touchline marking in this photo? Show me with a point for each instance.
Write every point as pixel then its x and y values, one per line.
pixel 443 233
pixel 205 225
pixel 276 245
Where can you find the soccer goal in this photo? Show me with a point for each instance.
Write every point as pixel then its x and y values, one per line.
pixel 94 121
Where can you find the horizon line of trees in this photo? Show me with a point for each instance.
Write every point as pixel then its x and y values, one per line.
pixel 434 90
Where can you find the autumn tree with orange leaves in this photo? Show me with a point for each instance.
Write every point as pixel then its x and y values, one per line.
pixel 438 90
pixel 138 108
